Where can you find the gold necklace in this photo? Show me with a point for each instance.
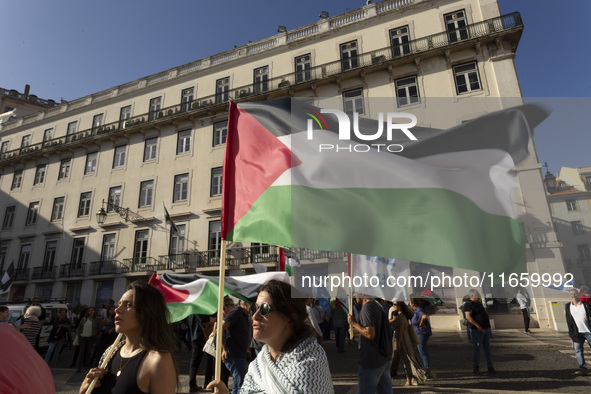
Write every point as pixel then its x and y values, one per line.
pixel 131 356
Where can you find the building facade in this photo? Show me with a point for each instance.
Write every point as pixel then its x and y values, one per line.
pixel 570 203
pixel 158 142
pixel 14 104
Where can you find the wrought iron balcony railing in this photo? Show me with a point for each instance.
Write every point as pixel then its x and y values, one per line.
pixel 44 273
pixel 70 270
pixel 178 261
pixel 106 267
pixel 142 264
pixel 415 47
pixel 22 273
pixel 310 254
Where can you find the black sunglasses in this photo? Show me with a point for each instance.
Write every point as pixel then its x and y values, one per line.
pixel 264 309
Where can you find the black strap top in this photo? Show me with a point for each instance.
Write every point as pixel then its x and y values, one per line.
pixel 126 383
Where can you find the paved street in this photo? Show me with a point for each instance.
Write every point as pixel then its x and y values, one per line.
pixel 542 362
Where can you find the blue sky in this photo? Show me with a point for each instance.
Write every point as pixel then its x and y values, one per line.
pixel 72 48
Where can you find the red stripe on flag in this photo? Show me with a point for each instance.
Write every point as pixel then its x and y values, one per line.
pixel 252 162
pixel 281 260
pixel 170 294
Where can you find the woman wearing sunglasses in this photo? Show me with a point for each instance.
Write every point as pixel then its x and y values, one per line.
pixel 291 361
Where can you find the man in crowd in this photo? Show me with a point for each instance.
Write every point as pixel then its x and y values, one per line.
pixel 523 300
pixel 479 326
pixel 578 314
pixel 237 342
pixel 375 347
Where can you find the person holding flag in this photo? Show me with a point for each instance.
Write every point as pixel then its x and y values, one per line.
pixel 144 361
pixel 375 347
pixel 291 360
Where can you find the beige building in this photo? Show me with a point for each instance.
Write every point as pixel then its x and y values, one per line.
pixel 14 104
pixel 159 142
pixel 570 204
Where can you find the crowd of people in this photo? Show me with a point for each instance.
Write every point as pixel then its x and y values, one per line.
pixel 89 331
pixel 271 345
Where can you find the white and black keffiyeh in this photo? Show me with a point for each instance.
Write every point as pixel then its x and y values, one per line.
pixel 302 370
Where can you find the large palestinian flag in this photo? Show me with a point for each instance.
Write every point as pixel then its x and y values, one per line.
pixel 187 294
pixel 447 199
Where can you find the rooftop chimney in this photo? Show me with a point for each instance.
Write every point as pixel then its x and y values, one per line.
pixel 27 88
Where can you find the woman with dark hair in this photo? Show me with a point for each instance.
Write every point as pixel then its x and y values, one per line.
pixel 422 326
pixel 143 362
pixel 405 344
pixel 291 360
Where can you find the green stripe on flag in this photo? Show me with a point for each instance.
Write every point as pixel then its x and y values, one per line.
pixel 206 303
pixel 435 226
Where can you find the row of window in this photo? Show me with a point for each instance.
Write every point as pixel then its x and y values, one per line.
pixel 146 199
pixel 140 251
pixel 220 130
pixel 407 93
pixel 466 77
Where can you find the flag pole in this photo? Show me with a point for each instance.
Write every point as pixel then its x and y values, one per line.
pixel 105 362
pixel 351 334
pixel 220 318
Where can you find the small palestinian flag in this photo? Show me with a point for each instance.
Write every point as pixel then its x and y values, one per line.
pixel 7 281
pixel 427 294
pixel 287 261
pixel 188 294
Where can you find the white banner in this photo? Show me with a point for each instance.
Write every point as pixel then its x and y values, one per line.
pixel 380 277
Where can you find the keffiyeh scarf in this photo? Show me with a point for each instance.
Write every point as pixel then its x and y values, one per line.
pixel 302 370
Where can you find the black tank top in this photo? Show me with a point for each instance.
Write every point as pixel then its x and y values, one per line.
pixel 126 383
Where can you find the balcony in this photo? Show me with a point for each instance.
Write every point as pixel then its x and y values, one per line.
pixel 70 270
pixel 432 45
pixel 142 264
pixel 211 258
pixel 22 273
pixel 44 273
pixel 310 254
pixel 106 267
pixel 180 261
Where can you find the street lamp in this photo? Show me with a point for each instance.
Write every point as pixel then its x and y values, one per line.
pixel 549 179
pixel 125 213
